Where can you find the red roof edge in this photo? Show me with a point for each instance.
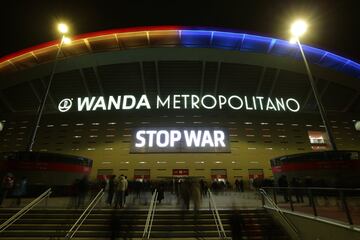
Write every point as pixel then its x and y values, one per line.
pixel 87 35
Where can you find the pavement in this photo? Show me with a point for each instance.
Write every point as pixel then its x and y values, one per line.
pixel 225 200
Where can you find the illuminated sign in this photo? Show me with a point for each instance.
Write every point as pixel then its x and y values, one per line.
pixel 194 139
pixel 180 101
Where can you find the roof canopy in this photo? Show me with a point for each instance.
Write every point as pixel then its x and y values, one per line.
pixel 174 36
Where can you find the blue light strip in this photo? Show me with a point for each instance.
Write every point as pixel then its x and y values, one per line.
pixel 266 45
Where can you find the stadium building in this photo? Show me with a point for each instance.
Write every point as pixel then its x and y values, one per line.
pixel 177 101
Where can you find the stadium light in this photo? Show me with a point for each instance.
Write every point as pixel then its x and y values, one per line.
pixel 357 125
pixel 298 28
pixel 63 29
pixel 66 40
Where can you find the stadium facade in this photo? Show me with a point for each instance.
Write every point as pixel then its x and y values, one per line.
pixel 176 101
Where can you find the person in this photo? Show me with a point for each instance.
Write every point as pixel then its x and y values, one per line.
pixel 296 183
pixel 251 184
pixel 308 184
pixel 241 185
pixel 120 192
pixel 185 193
pixel 115 226
pixel 237 185
pixel 215 186
pixel 126 190
pixel 111 190
pixel 160 192
pixel 137 188
pixel 283 184
pixel 20 190
pixel 83 188
pixel 7 185
pixel 105 186
pixel 203 188
pixel 237 225
pixel 195 196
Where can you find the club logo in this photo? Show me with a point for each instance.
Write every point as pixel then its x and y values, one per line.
pixel 65 105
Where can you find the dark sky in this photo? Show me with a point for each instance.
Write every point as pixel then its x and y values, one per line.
pixel 333 24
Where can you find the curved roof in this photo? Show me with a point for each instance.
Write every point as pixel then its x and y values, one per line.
pixel 174 36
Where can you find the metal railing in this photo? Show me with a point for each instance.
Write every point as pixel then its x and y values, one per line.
pixel 24 210
pixel 280 213
pixel 75 227
pixel 215 212
pixel 337 201
pixel 150 216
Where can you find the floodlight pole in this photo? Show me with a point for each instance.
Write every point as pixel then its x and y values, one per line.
pixel 43 100
pixel 317 98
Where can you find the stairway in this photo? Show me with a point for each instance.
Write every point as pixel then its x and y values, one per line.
pixel 168 224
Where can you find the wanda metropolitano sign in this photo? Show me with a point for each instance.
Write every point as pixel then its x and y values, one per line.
pixel 179 101
pixel 179 139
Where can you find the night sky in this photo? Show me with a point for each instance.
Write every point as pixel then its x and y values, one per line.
pixel 333 24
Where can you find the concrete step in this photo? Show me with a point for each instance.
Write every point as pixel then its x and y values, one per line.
pixel 168 224
pixel 136 221
pixel 106 227
pixel 130 215
pixel 133 234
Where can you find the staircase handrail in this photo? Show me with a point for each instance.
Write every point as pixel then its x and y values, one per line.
pixel 153 214
pixel 215 212
pixel 24 210
pixel 279 212
pixel 75 227
pixel 150 216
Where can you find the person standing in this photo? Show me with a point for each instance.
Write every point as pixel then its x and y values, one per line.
pixel 283 184
pixel 241 185
pixel 20 190
pixel 111 190
pixel 7 185
pixel 126 189
pixel 237 185
pixel 120 192
pixel 83 190
pixel 195 196
pixel 237 225
pixel 160 190
pixel 296 184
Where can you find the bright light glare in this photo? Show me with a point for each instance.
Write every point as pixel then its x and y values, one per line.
pixel 293 40
pixel 63 28
pixel 298 28
pixel 66 40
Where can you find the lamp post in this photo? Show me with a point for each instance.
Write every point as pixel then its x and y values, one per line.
pixel 63 29
pixel 298 28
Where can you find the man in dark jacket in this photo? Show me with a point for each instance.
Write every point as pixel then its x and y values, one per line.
pixel 7 185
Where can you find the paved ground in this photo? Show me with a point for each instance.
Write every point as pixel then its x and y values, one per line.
pixel 329 208
pixel 222 200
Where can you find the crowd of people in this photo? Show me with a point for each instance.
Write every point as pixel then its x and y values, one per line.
pixel 117 188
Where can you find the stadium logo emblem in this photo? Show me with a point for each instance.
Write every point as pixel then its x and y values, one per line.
pixel 65 105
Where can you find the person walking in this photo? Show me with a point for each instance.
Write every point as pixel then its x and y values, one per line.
pixel 237 225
